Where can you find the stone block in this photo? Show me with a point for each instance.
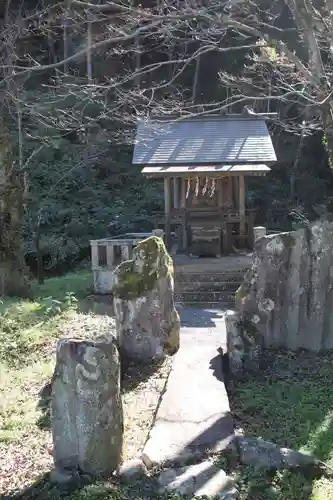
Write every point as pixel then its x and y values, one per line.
pixel 244 345
pixel 259 232
pixel 199 480
pixel 266 455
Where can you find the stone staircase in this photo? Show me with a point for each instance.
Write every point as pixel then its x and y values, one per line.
pixel 208 289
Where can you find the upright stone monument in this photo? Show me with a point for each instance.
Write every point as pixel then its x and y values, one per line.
pixel 287 295
pixel 147 321
pixel 244 345
pixel 87 417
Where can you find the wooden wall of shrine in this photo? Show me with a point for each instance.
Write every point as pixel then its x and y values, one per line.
pixel 205 229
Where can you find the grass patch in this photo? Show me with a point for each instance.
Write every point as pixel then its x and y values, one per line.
pixel 18 390
pixel 291 405
pixel 283 485
pixel 78 284
pixel 27 325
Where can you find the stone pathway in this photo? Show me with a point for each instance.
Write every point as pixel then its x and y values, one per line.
pixel 193 419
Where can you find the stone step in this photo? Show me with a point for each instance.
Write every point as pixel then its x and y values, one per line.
pixel 206 277
pixel 210 286
pixel 205 296
pixel 200 480
pixel 207 305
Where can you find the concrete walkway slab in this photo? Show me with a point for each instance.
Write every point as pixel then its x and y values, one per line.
pixel 193 418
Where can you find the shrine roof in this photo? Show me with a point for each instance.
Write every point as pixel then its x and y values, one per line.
pixel 203 141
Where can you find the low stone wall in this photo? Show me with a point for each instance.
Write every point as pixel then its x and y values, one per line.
pixel 108 253
pixel 287 295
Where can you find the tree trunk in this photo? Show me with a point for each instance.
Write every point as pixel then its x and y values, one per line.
pixel 327 118
pixel 40 264
pixel 13 279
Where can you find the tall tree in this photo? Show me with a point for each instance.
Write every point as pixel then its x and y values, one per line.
pixel 285 48
pixel 13 276
pixel 12 268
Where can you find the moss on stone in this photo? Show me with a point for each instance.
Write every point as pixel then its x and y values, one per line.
pixel 250 330
pixel 288 240
pixel 136 277
pixel 171 346
pixel 242 291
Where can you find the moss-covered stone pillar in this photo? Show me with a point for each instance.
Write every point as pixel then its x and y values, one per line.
pixel 147 321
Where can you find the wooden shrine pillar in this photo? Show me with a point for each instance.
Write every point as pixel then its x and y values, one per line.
pixel 241 200
pixel 229 192
pixel 183 207
pixel 225 195
pixel 219 183
pixel 235 191
pixel 176 193
pixel 225 203
pixel 223 223
pixel 167 209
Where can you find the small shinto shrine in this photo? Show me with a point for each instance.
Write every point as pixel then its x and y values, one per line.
pixel 203 162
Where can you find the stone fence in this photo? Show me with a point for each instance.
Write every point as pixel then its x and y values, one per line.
pixel 108 253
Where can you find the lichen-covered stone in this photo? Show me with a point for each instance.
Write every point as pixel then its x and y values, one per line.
pixel 262 454
pixel 244 344
pixel 288 293
pixel 288 239
pixel 147 322
pixel 87 417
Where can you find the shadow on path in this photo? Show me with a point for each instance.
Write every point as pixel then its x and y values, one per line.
pixel 44 404
pixel 216 365
pixel 199 318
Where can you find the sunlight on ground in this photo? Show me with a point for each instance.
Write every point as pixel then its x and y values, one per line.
pixel 19 389
pixel 294 408
pixel 321 439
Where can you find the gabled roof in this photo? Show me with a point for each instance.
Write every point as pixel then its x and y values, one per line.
pixel 203 141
